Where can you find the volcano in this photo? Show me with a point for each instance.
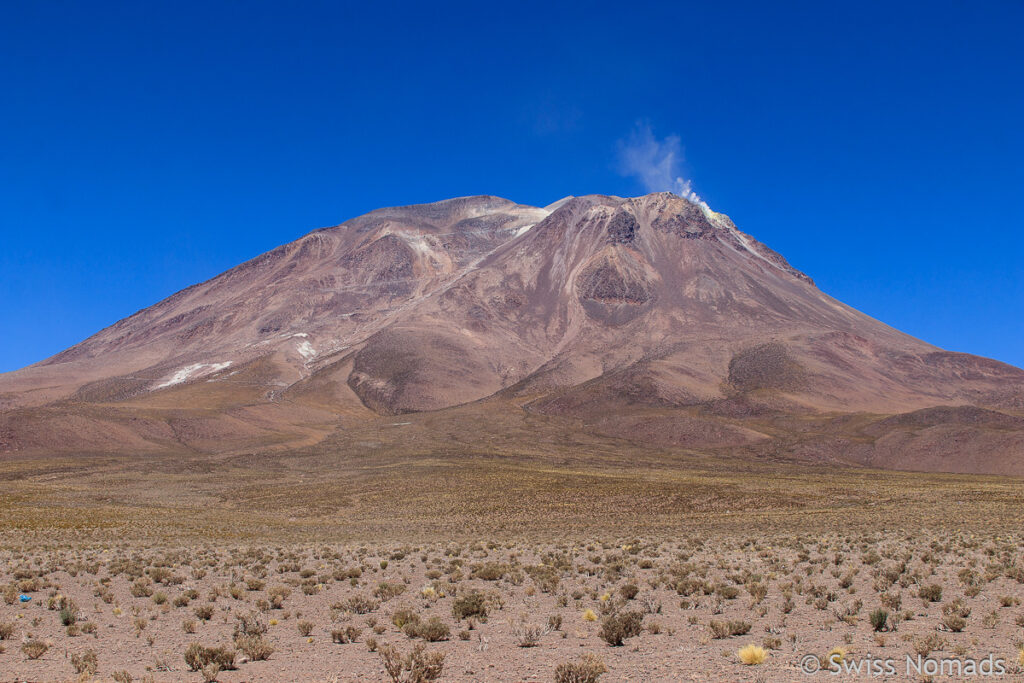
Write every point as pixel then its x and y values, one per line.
pixel 651 320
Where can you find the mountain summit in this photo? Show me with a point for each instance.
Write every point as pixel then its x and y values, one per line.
pixel 648 318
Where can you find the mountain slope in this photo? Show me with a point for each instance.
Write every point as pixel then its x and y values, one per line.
pixel 649 318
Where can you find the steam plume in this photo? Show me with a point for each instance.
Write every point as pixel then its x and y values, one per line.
pixel 657 163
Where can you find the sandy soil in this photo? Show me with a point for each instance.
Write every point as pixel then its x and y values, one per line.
pixel 818 595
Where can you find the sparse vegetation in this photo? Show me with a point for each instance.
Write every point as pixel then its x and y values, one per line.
pixel 807 585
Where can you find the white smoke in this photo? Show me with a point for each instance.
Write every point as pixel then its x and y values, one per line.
pixel 656 163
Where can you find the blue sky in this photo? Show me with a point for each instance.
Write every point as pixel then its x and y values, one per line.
pixel 148 146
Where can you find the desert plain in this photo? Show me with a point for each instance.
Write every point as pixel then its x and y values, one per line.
pixel 469 545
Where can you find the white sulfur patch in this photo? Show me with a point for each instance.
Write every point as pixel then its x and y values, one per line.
pixel 192 372
pixel 523 230
pixel 419 243
pixel 306 349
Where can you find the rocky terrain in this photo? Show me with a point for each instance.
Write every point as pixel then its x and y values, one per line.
pixel 651 319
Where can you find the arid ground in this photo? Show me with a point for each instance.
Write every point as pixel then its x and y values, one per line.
pixel 510 557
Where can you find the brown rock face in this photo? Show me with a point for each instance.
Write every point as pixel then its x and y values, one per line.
pixel 650 319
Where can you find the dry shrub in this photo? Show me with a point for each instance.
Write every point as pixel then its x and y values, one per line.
pixel 617 627
pixel 210 673
pixel 586 669
pixel 346 635
pixel 416 667
pixel 528 635
pixel 84 663
pixel 198 656
pixel 404 616
pixel 752 655
pixel 546 578
pixel 386 591
pixel 925 645
pixel 250 624
pixel 432 630
pixel 470 605
pixel 491 571
pixel 277 595
pixel 724 629
pixel 34 649
pixel 357 604
pixel 954 622
pixel 256 647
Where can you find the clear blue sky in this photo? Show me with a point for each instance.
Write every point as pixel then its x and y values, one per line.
pixel 145 146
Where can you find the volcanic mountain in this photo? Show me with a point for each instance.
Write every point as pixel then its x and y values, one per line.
pixel 649 319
